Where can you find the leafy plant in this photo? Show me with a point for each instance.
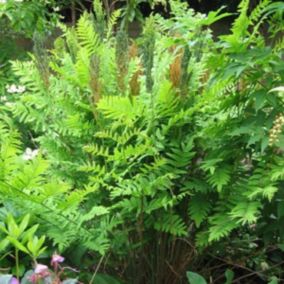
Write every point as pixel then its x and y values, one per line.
pixel 41 274
pixel 34 15
pixel 162 143
pixel 17 32
pixel 21 238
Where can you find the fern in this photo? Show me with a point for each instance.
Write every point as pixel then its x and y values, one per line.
pixel 258 11
pixel 87 35
pixel 220 178
pixel 129 173
pixel 245 212
pixel 120 108
pixel 114 17
pixel 199 208
pixel 172 224
pixel 240 26
pixel 221 226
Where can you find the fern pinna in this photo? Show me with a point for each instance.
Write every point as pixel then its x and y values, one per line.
pixel 181 163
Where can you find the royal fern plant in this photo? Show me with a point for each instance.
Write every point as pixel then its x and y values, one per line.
pixel 159 142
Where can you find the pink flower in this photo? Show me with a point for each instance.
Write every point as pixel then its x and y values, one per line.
pixel 56 258
pixel 14 280
pixel 41 269
pixel 33 278
pixel 40 272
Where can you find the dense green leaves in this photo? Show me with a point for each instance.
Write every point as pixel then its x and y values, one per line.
pixel 185 157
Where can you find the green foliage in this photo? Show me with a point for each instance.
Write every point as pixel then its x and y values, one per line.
pixel 26 187
pixel 229 276
pixel 131 11
pixel 186 158
pixel 23 239
pixel 34 15
pixel 16 34
pixel 195 278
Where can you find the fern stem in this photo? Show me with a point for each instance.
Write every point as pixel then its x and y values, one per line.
pixel 17 263
pixel 96 271
pixel 73 13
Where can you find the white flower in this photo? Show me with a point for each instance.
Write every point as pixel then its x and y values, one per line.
pixel 9 104
pixel 3 1
pixel 3 98
pixel 12 89
pixel 21 89
pixel 15 89
pixel 30 154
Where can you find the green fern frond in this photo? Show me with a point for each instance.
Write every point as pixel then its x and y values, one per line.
pixel 202 239
pixel 277 171
pixel 86 35
pixel 241 24
pixel 164 200
pixel 220 178
pixel 94 212
pixel 198 209
pixel 120 108
pixel 172 224
pixel 246 212
pixel 114 17
pixel 258 11
pixel 83 67
pixel 97 150
pixel 221 225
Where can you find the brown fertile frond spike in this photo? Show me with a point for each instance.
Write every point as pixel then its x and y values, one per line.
pixel 205 77
pixel 134 83
pixel 122 59
pixel 95 84
pixel 175 67
pixel 241 85
pixel 133 50
pixel 185 76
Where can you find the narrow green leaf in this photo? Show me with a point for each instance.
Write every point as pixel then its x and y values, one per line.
pixel 17 244
pixel 24 223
